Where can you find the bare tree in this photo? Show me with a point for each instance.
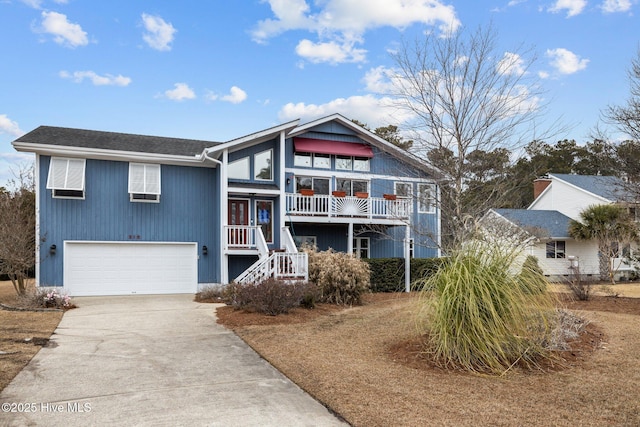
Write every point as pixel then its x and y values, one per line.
pixel 17 229
pixel 627 118
pixel 465 96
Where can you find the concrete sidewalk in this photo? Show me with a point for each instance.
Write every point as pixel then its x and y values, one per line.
pixel 153 361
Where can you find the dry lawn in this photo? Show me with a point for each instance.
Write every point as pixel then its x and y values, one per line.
pixel 22 334
pixel 365 364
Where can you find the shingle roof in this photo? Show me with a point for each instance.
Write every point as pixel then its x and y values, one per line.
pixel 551 223
pixel 609 187
pixel 49 135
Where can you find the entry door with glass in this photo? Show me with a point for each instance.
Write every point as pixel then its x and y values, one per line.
pixel 238 221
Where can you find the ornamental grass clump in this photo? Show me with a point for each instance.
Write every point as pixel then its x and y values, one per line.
pixel 477 315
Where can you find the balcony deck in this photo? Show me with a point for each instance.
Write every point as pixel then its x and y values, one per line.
pixel 300 206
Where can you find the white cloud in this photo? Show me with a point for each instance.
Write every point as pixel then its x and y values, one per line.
pixel 64 32
pixel 97 80
pixel 36 4
pixel 373 111
pixel 565 61
pixel 180 92
pixel 613 6
pixel 159 33
pixel 511 63
pixel 9 126
pixel 341 24
pixel 331 52
pixel 543 74
pixel 379 80
pixel 573 7
pixel 235 96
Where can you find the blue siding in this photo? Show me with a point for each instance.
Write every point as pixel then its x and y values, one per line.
pixel 424 225
pixel 187 212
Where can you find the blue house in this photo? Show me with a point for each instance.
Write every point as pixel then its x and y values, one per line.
pixel 132 214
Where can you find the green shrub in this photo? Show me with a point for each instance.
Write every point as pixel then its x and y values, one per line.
pixel 478 316
pixel 270 296
pixel 341 277
pixel 387 274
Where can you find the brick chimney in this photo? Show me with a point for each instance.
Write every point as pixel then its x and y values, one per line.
pixel 539 185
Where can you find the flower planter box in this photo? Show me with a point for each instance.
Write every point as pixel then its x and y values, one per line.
pixel 339 193
pixel 390 196
pixel 362 195
pixel 306 192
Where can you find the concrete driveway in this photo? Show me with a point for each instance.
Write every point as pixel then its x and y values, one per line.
pixel 153 361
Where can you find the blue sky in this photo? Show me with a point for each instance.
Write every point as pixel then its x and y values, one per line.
pixel 216 70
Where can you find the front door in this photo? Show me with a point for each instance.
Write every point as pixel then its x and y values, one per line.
pixel 238 215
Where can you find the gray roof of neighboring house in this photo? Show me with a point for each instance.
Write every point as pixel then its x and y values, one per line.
pixel 550 223
pixel 609 187
pixel 49 135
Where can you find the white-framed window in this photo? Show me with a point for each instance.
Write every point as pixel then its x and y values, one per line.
pixel 556 249
pixel 322 161
pixel 412 248
pixel 352 186
pixel 403 189
pixel 318 185
pixel 344 163
pixel 301 241
pixel 66 178
pixel 302 159
pixel 426 198
pixel 361 247
pixel 263 165
pixel 239 169
pixel 144 182
pixel 264 218
pixel 361 164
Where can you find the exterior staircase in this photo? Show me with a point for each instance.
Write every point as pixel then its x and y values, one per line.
pixel 286 264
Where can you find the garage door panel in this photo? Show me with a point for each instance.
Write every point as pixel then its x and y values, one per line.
pixel 112 268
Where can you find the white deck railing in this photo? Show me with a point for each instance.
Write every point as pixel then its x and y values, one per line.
pixel 280 265
pixel 349 206
pixel 241 236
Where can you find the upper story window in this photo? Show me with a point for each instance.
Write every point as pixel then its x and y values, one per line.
pixel 302 159
pixel 361 164
pixel 318 185
pixel 426 198
pixel 352 186
pixel 322 161
pixel 403 189
pixel 144 182
pixel 66 178
pixel 239 169
pixel 263 165
pixel 344 163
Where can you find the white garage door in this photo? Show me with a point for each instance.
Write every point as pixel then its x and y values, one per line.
pixel 123 268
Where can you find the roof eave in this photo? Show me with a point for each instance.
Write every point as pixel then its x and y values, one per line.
pixel 375 140
pixel 253 138
pixel 102 154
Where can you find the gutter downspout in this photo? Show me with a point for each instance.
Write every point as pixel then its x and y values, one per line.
pixel 224 267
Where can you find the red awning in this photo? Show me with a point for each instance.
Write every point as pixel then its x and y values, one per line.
pixel 323 146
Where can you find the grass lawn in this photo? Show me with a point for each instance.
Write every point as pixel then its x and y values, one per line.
pixel 365 364
pixel 21 334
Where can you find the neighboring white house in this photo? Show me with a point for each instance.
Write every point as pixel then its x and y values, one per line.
pixel 558 199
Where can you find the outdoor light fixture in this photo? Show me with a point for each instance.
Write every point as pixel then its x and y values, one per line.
pixel 52 249
pixel 205 250
pixel 288 181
